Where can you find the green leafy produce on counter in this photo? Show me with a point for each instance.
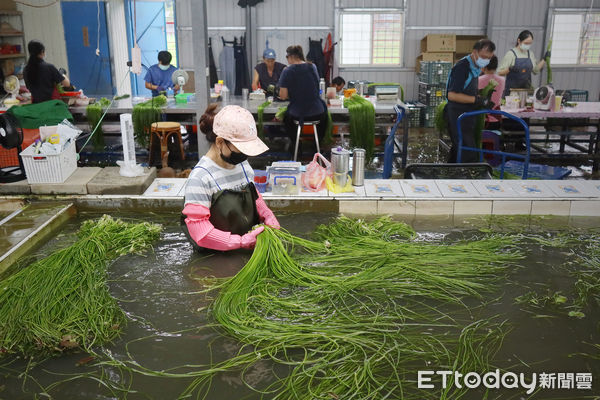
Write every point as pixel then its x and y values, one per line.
pixel 144 115
pixel 362 124
pixel 260 119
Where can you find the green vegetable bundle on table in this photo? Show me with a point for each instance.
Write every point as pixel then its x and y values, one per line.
pixel 63 301
pixel 441 124
pixel 94 113
pixel 144 115
pixel 362 123
pixel 354 312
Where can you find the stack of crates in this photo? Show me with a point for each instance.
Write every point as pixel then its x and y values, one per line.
pixel 434 72
pixel 432 88
pixel 415 113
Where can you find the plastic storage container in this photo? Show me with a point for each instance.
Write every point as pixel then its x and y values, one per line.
pixel 284 177
pixel 49 168
pixel 415 111
pixel 260 180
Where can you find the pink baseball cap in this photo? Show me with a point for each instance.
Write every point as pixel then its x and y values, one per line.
pixel 237 125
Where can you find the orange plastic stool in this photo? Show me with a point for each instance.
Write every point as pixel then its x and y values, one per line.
pixel 162 131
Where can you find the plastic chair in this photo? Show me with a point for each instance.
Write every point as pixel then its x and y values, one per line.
pixel 300 124
pixel 504 155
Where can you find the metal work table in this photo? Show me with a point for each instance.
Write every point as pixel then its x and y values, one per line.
pixel 587 143
pixel 186 114
pixel 126 106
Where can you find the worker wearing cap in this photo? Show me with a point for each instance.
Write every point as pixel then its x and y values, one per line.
pixel 160 76
pixel 463 96
pixel 221 203
pixel 267 73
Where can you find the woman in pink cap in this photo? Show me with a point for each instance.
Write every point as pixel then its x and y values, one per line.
pixel 221 203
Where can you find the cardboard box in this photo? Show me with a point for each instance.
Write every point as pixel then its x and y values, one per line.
pixel 464 43
pixel 8 5
pixel 438 42
pixel 434 56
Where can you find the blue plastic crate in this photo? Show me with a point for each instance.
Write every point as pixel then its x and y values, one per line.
pixel 536 171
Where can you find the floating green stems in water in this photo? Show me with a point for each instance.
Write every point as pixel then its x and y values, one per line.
pixel 62 301
pixel 354 312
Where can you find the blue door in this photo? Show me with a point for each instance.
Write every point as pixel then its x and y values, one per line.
pixel 86 70
pixel 151 37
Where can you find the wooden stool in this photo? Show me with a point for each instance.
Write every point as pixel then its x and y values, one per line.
pixel 299 133
pixel 162 131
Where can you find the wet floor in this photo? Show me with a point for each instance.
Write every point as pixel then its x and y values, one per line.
pixel 159 293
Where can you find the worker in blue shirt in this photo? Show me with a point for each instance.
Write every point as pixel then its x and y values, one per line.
pixel 158 78
pixel 463 96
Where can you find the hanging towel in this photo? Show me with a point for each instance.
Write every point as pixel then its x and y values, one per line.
pixel 242 76
pixel 212 68
pixel 315 55
pixel 32 116
pixel 227 66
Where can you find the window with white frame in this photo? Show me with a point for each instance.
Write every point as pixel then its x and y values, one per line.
pixel 371 38
pixel 576 38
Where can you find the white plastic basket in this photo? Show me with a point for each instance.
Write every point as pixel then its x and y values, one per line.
pixel 49 168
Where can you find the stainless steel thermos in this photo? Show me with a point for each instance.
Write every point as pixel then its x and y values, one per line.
pixel 358 167
pixel 340 160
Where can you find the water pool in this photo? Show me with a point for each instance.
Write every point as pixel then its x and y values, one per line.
pixel 158 291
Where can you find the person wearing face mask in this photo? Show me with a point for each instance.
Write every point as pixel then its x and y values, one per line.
pixel 463 96
pixel 519 63
pixel 159 76
pixel 221 203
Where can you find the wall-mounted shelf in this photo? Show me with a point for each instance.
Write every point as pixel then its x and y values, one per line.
pixel 5 56
pixel 10 12
pixel 14 19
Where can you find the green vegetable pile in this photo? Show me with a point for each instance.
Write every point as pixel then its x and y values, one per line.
pixel 442 125
pixel 63 301
pixel 354 311
pixel 260 119
pixel 487 91
pixel 94 113
pixel 362 123
pixel 144 115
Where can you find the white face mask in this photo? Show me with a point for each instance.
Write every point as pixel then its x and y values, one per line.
pixel 163 67
pixel 525 47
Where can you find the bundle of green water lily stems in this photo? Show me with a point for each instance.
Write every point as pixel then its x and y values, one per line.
pixel 62 301
pixel 355 312
pixel 362 123
pixel 144 115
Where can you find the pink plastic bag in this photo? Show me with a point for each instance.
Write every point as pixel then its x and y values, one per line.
pixel 314 177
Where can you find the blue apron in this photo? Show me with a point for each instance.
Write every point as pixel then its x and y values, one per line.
pixel 520 79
